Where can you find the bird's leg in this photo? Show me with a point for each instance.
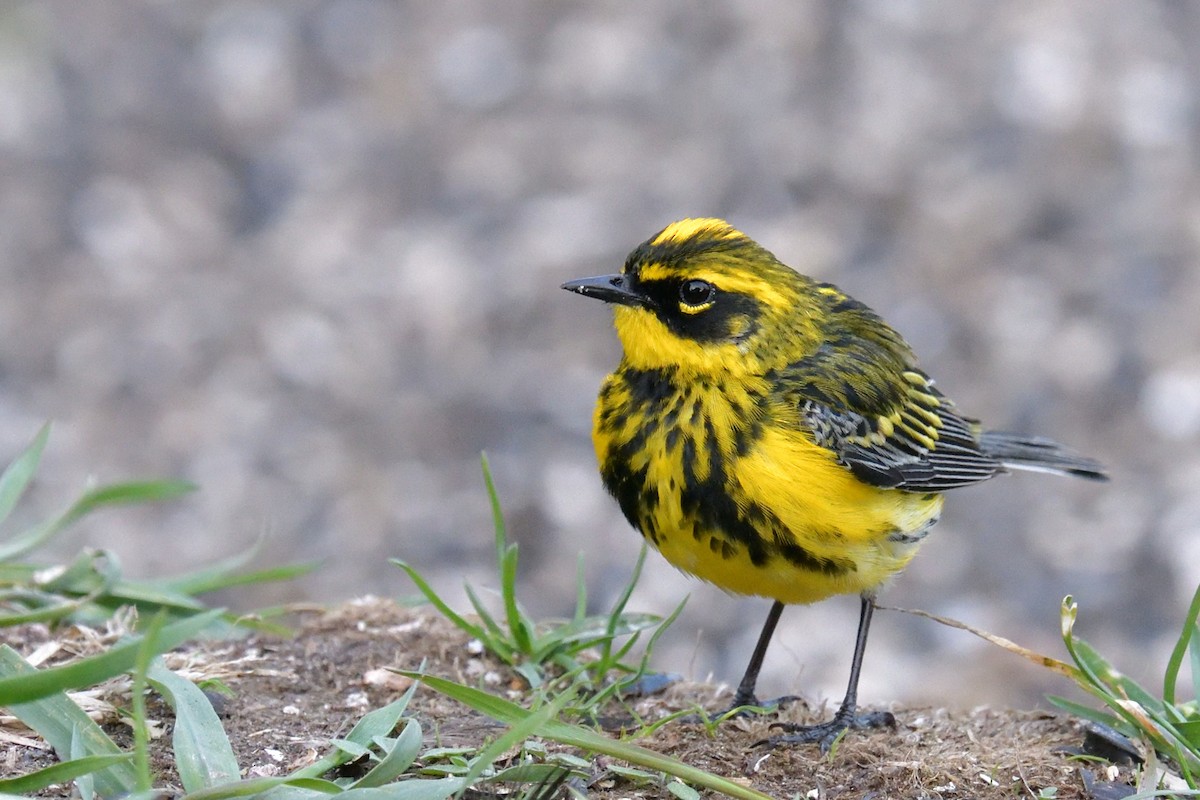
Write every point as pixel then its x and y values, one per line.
pixel 744 696
pixel 826 733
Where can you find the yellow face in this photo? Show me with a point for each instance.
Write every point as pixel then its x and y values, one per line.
pixel 702 297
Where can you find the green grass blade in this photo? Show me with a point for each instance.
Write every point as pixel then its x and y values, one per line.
pixel 226 573
pixel 195 581
pixel 137 717
pixel 506 562
pixel 146 595
pixel 581 592
pixel 1113 680
pixel 583 738
pixel 496 639
pixel 84 784
pixel 267 787
pixel 26 687
pixel 1144 716
pixel 499 531
pixel 403 752
pixel 519 731
pixel 130 493
pixel 682 791
pixel 320 785
pixel 214 579
pixel 622 651
pixel 16 477
pixel 619 607
pixel 435 599
pixel 594 630
pixel 666 623
pixel 616 687
pixel 203 755
pixel 295 791
pixel 379 722
pixel 59 721
pixel 519 626
pixel 1190 733
pixel 46 614
pixel 1068 615
pixel 1095 715
pixel 1181 646
pixel 535 773
pixel 531 672
pixel 113 495
pixel 285 791
pixel 59 773
pixel 92 573
pixel 31 539
pixel 18 574
pixel 432 789
pixel 353 749
pixel 1194 660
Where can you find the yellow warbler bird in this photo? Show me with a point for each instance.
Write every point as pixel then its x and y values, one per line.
pixel 773 436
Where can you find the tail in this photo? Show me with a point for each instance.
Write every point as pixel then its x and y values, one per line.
pixel 1039 454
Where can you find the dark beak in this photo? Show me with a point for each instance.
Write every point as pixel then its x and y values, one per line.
pixel 609 288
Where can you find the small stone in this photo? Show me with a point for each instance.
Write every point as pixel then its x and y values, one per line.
pixel 387 679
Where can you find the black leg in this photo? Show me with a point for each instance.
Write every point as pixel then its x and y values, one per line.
pixel 745 692
pixel 826 733
pixel 745 695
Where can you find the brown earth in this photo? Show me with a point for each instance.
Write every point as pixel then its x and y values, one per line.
pixel 290 696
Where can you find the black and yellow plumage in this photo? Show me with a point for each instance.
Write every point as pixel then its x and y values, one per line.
pixel 773 436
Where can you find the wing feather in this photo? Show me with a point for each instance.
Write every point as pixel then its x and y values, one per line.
pixel 908 436
pixel 860 395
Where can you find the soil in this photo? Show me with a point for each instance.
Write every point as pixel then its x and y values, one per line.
pixel 290 696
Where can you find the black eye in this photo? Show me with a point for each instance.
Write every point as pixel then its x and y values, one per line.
pixel 697 293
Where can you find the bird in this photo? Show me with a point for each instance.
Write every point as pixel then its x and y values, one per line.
pixel 773 436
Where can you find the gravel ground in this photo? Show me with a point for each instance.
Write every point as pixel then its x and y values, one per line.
pixel 306 254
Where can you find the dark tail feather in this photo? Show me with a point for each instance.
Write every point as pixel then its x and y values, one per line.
pixel 1039 454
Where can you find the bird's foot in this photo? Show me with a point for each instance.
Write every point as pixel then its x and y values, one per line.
pixel 749 705
pixel 742 706
pixel 826 734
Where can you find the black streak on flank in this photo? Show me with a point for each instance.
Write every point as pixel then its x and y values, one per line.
pixel 628 487
pixel 708 503
pixel 768 524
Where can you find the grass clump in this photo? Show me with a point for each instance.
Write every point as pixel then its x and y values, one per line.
pixel 1166 725
pixel 583 648
pixel 380 757
pixel 572 665
pixel 91 590
pixel 92 587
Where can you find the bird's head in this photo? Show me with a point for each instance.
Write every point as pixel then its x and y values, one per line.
pixel 702 296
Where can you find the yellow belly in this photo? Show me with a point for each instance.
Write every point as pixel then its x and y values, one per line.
pixel 805 527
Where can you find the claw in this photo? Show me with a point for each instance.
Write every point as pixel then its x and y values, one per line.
pixel 826 734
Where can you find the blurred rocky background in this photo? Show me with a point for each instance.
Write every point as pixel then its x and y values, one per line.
pixel 307 255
